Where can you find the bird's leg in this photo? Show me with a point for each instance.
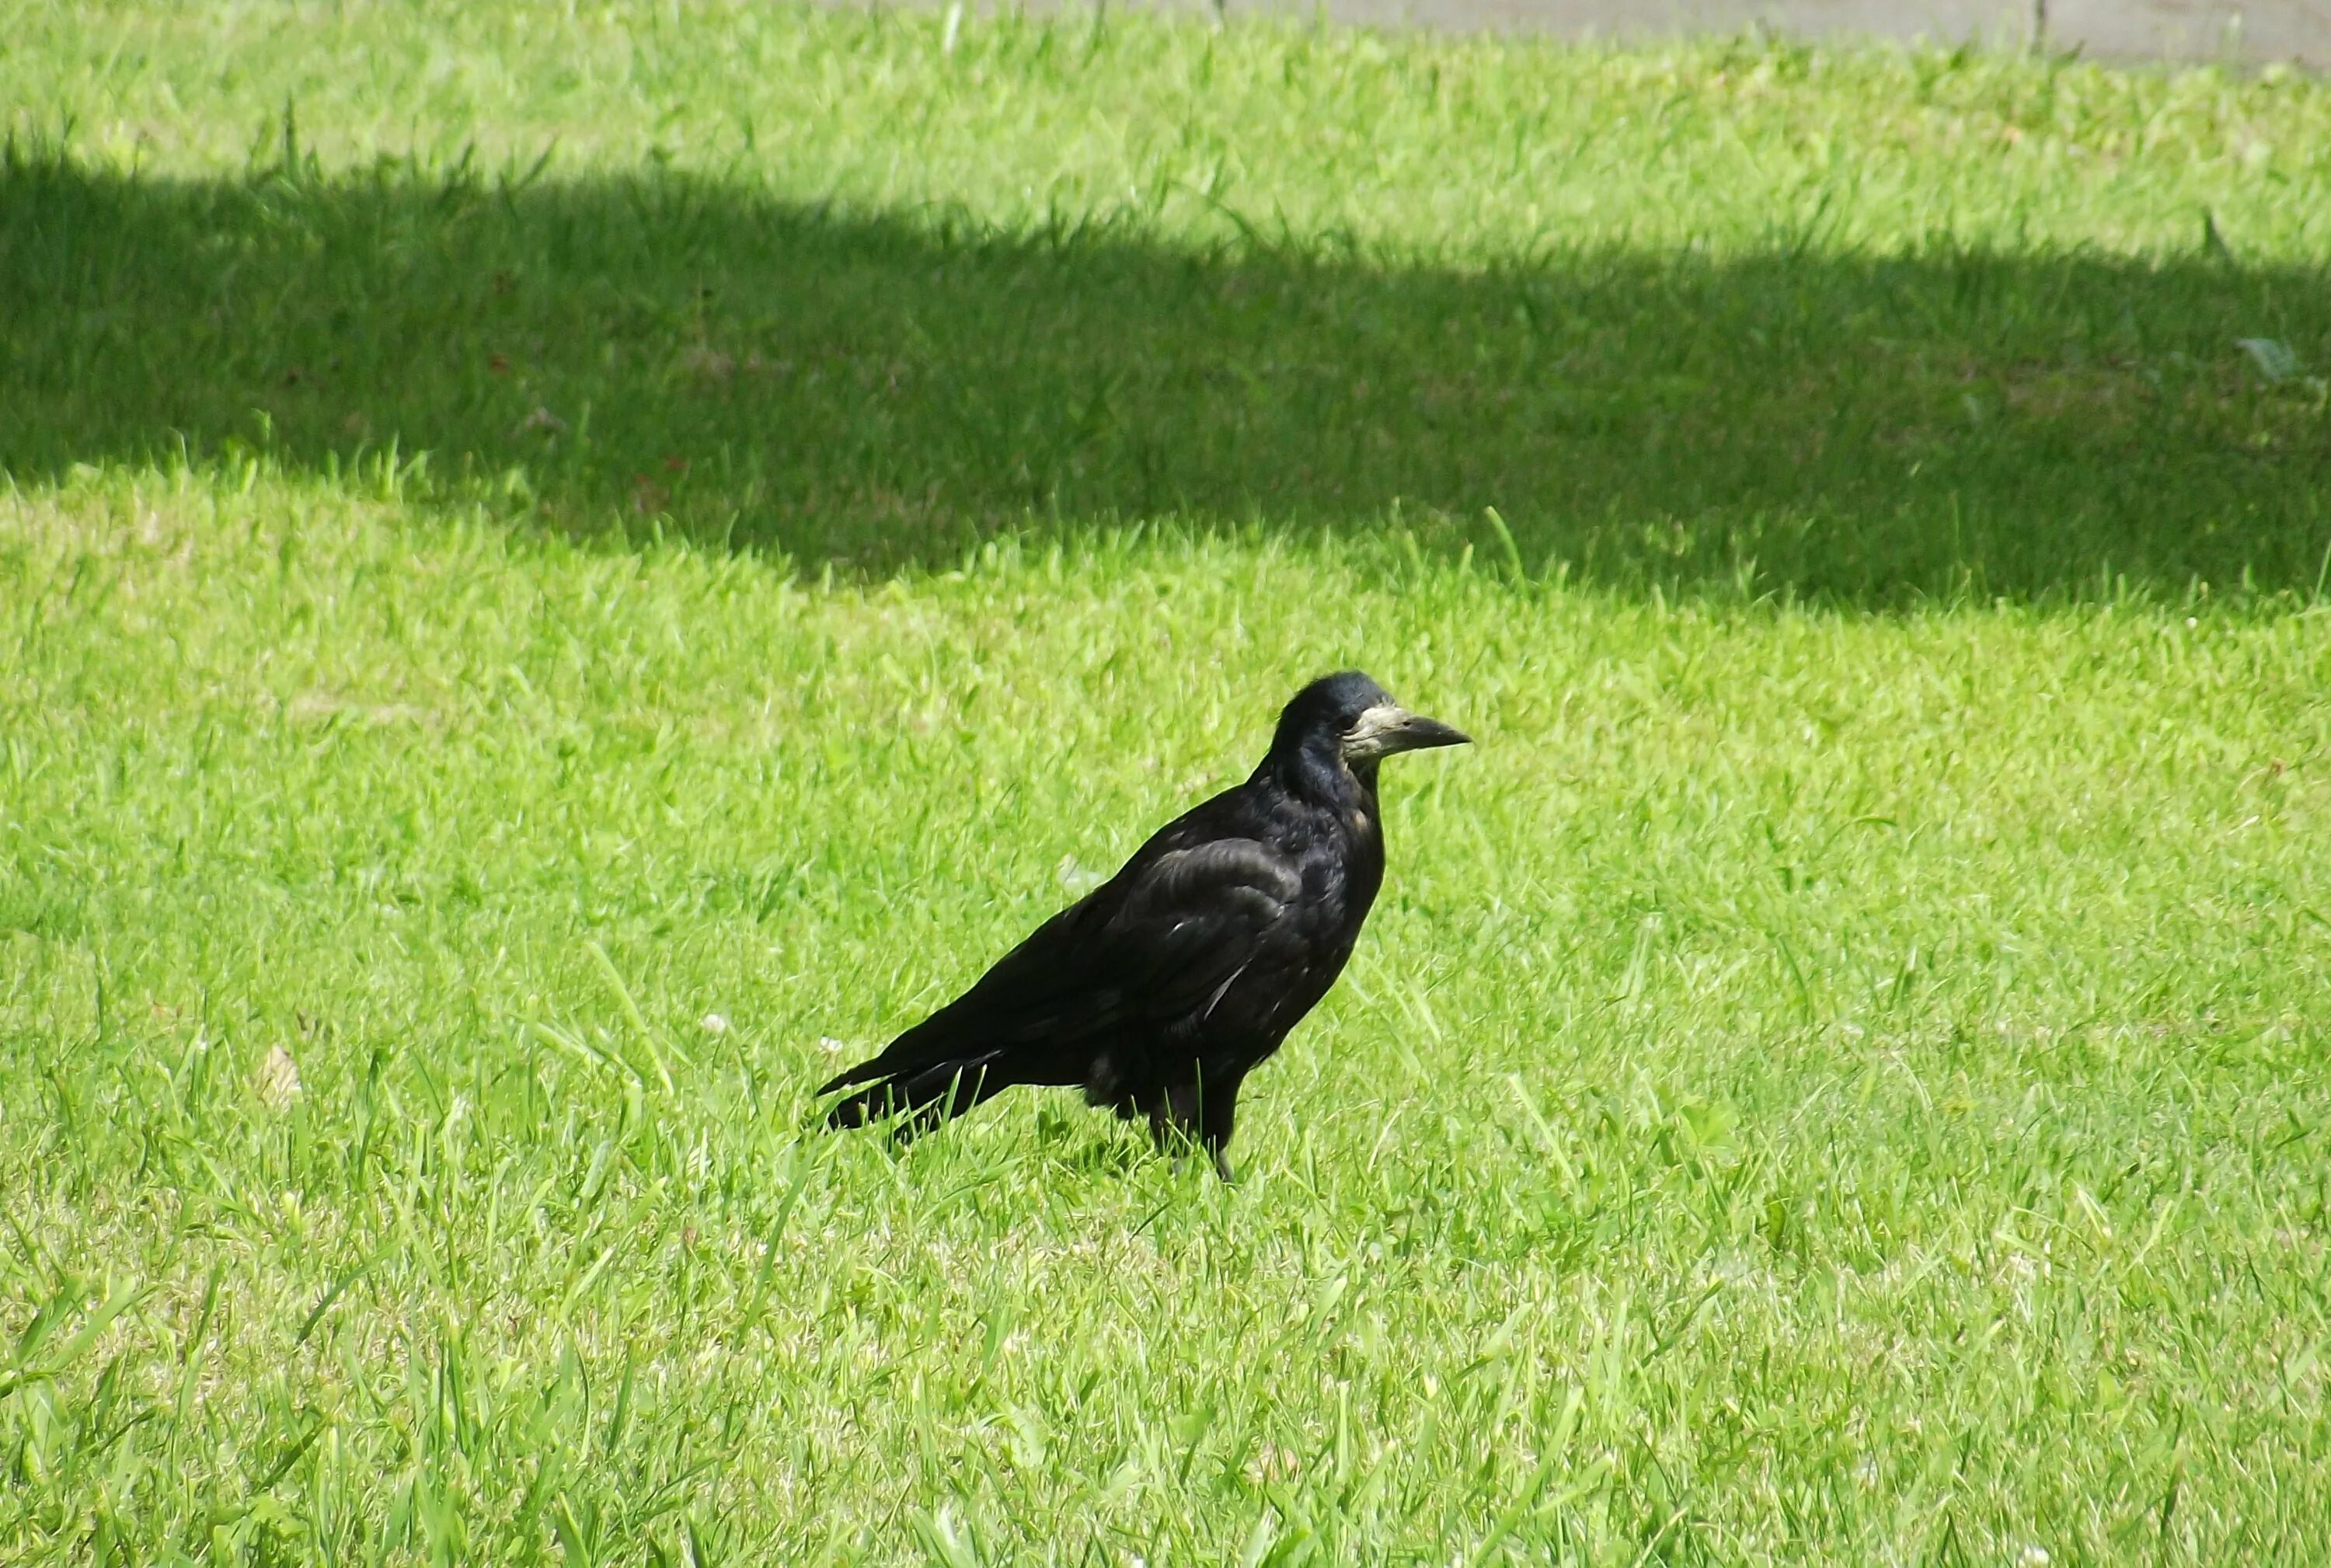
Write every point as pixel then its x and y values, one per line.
pixel 1161 1126
pixel 1173 1121
pixel 1197 1115
pixel 1217 1113
pixel 1181 1109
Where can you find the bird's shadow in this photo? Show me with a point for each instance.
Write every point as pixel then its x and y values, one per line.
pixel 1090 1144
pixel 661 352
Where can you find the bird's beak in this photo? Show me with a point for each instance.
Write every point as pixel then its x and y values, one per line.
pixel 1385 729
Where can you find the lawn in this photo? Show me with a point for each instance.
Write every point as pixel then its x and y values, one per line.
pixel 564 568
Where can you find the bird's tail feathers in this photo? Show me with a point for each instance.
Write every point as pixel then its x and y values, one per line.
pixel 924 1097
pixel 863 1072
pixel 937 1042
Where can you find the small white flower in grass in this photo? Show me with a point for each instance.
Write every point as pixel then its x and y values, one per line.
pixel 831 1046
pixel 2190 622
pixel 703 360
pixel 2032 1557
pixel 713 1024
pixel 277 1078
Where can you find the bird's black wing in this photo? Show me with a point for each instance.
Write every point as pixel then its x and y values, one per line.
pixel 1155 948
pixel 1199 918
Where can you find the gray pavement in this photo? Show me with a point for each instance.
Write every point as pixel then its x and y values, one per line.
pixel 2247 32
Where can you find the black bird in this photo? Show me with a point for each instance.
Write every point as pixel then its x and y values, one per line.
pixel 1162 988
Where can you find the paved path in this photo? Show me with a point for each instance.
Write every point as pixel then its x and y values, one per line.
pixel 2243 31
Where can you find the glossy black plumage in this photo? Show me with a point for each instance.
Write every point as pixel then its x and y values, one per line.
pixel 1159 991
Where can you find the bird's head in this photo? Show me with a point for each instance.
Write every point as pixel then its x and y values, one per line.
pixel 1349 718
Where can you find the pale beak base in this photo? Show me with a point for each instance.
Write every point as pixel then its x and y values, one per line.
pixel 1385 729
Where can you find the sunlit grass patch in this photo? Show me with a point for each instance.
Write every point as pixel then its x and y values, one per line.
pixel 1836 1073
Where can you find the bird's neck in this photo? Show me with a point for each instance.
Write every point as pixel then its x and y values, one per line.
pixel 1321 777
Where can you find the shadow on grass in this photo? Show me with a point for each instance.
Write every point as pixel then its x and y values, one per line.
pixel 884 391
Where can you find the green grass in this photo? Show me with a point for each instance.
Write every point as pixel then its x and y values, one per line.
pixel 1838 1071
pixel 1868 327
